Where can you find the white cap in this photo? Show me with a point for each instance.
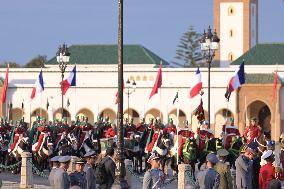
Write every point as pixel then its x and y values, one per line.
pixel 266 154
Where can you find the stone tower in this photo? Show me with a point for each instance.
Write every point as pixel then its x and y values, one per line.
pixel 236 23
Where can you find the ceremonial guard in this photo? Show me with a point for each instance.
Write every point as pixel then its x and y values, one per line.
pixel 61 178
pixel 89 170
pixel 203 135
pixel 252 131
pixel 43 131
pixel 78 178
pixel 130 128
pixel 16 135
pixel 267 171
pixel 153 178
pixel 111 132
pixel 33 130
pixel 85 129
pixel 152 138
pixel 54 167
pixel 229 131
pixel 171 128
pixel 183 134
pixel 61 130
pixel 105 126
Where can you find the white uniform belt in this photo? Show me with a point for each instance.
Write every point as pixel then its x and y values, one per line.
pixel 231 134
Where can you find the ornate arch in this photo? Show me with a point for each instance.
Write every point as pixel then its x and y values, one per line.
pixel 87 113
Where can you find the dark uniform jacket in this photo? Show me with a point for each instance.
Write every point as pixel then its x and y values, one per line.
pixel 90 177
pixel 110 171
pixel 78 179
pixel 61 179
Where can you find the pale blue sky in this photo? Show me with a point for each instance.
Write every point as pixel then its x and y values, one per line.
pixel 33 27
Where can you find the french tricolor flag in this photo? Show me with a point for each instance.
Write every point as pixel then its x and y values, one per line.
pixel 236 81
pixel 70 81
pixel 39 87
pixel 196 85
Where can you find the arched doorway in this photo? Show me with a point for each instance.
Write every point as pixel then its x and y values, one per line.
pixel 262 112
pixel 194 121
pixel 132 114
pixel 16 114
pixel 221 118
pixel 57 114
pixel 153 114
pixel 39 112
pixel 182 117
pixel 86 113
pixel 108 113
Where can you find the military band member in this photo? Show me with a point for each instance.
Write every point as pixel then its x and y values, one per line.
pixel 61 178
pixel 153 178
pixel 89 170
pixel 252 131
pixel 54 166
pixel 78 178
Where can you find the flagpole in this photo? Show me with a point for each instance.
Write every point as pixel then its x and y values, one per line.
pixel 76 94
pixel 177 127
pixel 275 114
pixel 246 114
pixel 40 110
pixel 30 113
pixel 161 102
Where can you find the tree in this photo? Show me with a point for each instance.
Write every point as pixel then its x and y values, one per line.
pixel 188 51
pixel 11 65
pixel 37 62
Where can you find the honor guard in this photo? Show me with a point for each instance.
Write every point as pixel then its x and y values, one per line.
pixel 252 131
pixel 62 130
pixel 130 128
pixel 171 128
pixel 229 131
pixel 152 138
pixel 78 178
pixel 16 135
pixel 105 126
pixel 84 128
pixel 43 131
pixel 111 132
pixel 184 133
pixel 140 127
pixel 204 134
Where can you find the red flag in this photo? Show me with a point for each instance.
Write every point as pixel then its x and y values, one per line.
pixel 158 82
pixel 5 87
pixel 274 84
pixel 116 100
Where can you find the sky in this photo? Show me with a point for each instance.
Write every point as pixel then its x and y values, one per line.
pixel 37 27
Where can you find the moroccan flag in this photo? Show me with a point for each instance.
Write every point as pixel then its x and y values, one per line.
pixel 236 81
pixel 39 87
pixel 196 85
pixel 70 81
pixel 5 87
pixel 176 98
pixel 274 84
pixel 158 82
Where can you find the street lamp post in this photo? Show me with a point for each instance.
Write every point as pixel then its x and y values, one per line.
pixel 209 44
pixel 62 57
pixel 130 89
pixel 120 171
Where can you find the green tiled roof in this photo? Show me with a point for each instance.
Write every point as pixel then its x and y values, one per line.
pixel 259 78
pixel 107 54
pixel 263 54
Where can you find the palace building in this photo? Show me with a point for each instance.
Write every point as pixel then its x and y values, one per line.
pixel 236 23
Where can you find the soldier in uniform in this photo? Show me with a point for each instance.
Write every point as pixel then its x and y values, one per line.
pixel 226 181
pixel 154 177
pixel 105 126
pixel 78 178
pixel 171 128
pixel 204 134
pixel 61 130
pixel 34 130
pixel 229 131
pixel 89 170
pixel 111 132
pixel 252 131
pixel 130 128
pixel 84 132
pixel 140 127
pixel 42 131
pixel 61 178
pixel 152 138
pixel 183 134
pixel 16 133
pixel 54 167
pixel 267 171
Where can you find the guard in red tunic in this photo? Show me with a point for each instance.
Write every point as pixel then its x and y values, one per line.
pixel 105 126
pixel 62 130
pixel 111 132
pixel 267 171
pixel 153 138
pixel 252 131
pixel 17 134
pixel 140 127
pixel 171 128
pixel 44 130
pixel 184 133
pixel 203 134
pixel 228 131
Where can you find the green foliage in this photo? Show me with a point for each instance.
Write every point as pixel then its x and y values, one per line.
pixel 37 62
pixel 188 51
pixel 11 65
